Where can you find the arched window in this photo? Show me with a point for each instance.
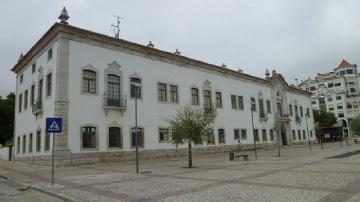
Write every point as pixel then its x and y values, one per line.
pixel 89 81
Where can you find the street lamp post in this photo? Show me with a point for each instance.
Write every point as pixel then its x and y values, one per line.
pixel 137 89
pixel 307 129
pixel 252 122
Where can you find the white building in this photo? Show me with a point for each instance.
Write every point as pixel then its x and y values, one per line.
pixel 85 78
pixel 336 92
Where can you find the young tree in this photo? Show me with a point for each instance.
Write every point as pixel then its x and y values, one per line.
pixel 355 125
pixel 7 110
pixel 191 126
pixel 325 119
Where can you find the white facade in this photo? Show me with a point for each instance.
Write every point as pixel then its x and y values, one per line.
pixel 337 92
pixel 74 51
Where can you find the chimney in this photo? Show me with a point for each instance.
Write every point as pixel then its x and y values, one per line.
pixel 177 52
pixel 150 45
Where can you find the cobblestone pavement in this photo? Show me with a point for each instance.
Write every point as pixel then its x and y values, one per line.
pixel 331 174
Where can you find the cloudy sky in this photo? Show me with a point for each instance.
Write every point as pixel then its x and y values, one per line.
pixel 298 38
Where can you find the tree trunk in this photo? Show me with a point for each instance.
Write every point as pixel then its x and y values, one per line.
pixel 190 156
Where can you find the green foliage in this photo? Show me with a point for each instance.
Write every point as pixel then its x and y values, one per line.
pixel 325 119
pixel 7 109
pixel 190 125
pixel 355 125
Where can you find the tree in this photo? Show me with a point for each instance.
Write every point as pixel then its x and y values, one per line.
pixel 325 119
pixel 355 125
pixel 191 126
pixel 7 109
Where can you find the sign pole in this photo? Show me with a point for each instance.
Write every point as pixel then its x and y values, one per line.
pixel 52 159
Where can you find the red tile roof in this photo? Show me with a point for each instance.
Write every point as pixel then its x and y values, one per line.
pixel 344 64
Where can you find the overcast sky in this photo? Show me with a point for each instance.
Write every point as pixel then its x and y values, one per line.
pixel 298 38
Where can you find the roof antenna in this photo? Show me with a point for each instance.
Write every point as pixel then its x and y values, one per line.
pixel 117 26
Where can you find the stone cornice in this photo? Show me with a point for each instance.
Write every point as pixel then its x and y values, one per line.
pixel 150 52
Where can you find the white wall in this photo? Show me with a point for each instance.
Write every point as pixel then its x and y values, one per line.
pixel 88 109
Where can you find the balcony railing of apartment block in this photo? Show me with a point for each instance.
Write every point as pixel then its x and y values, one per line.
pixel 112 102
pixel 37 106
pixel 209 109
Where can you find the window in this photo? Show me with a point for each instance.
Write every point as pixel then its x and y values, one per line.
pixel 293 134
pixel 279 108
pixel 218 100
pixel 256 135
pixel 47 141
pixel 304 135
pixel 164 135
pixel 338 97
pixel 313 102
pixel 88 137
pixel 173 93
pixel 261 108
pixel 240 102
pixel 210 137
pixel 221 136
pixel 89 82
pixel 24 145
pixel 113 90
pixel 339 107
pixel 290 110
pixel 330 85
pixel 115 140
pixel 352 90
pixel 40 87
pixel 342 72
pixel 162 92
pixel 18 146
pixel 20 102
pixel 33 68
pixel 243 134
pixel 337 84
pixel 349 71
pixel 38 141
pixel 32 96
pixel 311 133
pixel 140 137
pixel 299 134
pixel 207 99
pixel 233 102
pixel 48 84
pixel 312 88
pixel 264 135
pixel 341 115
pixel 21 78
pixel 195 96
pixel 308 112
pixel 268 106
pixel 272 135
pixel 329 99
pixel 236 134
pixel 30 142
pixel 49 54
pixel 26 99
pixel 301 111
pixel 136 86
pixel 296 112
pixel 253 104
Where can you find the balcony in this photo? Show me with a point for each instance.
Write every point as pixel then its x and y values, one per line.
pixel 209 110
pixel 37 107
pixel 283 117
pixel 111 102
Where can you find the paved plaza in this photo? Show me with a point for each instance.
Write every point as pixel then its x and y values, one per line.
pixel 331 174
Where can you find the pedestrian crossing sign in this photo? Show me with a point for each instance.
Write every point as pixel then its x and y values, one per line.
pixel 53 125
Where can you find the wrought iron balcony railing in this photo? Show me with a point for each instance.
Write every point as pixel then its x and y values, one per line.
pixel 37 107
pixel 111 101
